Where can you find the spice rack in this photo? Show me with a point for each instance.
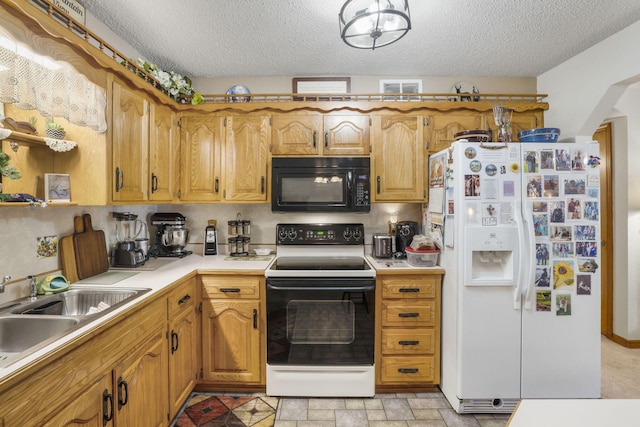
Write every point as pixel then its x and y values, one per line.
pixel 239 232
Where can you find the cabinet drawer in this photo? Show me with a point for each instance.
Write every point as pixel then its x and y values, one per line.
pixel 408 313
pixel 407 370
pixel 231 287
pixel 408 341
pixel 410 287
pixel 181 298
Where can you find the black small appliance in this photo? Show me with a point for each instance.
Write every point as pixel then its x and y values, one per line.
pixel 171 235
pixel 405 230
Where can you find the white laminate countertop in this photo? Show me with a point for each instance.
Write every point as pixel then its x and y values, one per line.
pixel 155 280
pixel 382 264
pixel 158 274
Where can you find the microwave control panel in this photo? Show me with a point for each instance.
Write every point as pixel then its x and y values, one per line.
pixel 362 189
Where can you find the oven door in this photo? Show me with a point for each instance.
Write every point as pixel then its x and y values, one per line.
pixel 320 321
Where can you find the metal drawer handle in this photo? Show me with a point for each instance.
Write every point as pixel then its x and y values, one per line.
pixel 107 407
pixel 174 342
pixel 408 370
pixel 123 389
pixel 226 290
pixel 408 342
pixel 409 290
pixel 409 314
pixel 184 299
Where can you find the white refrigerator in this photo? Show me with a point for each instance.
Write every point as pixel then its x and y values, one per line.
pixel 519 230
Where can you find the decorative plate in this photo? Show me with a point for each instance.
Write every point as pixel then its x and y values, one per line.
pixel 464 87
pixel 238 90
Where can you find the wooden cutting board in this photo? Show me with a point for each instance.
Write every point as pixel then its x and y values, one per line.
pixel 68 253
pixel 90 250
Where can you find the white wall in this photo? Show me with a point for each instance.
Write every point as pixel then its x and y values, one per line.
pixel 369 85
pixel 585 91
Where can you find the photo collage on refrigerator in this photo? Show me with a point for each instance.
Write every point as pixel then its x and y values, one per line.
pixel 562 194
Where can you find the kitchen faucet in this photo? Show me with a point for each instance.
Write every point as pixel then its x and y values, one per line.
pixel 4 282
pixel 33 288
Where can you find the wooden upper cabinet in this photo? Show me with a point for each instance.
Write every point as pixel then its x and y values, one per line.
pixel 519 122
pixel 316 134
pixel 164 154
pixel 443 127
pixel 201 139
pixel 130 142
pixel 399 155
pixel 296 134
pixel 246 158
pixel 346 135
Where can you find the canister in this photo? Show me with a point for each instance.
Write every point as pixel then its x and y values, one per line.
pixel 382 245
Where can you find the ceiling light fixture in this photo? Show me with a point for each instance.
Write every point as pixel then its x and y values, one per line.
pixel 367 25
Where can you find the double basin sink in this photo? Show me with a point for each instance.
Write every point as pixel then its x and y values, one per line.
pixel 26 325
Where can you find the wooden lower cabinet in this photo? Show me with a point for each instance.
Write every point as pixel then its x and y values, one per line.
pixel 123 362
pixel 184 346
pixel 140 386
pixel 232 327
pixel 408 330
pixel 93 408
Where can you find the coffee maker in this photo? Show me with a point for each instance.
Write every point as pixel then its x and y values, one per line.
pixel 171 236
pixel 405 230
pixel 124 252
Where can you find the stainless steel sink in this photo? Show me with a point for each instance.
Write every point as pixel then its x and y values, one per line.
pixel 78 302
pixel 18 333
pixel 26 326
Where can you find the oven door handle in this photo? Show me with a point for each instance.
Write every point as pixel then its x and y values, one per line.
pixel 323 288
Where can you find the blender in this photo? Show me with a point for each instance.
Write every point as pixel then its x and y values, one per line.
pixel 125 252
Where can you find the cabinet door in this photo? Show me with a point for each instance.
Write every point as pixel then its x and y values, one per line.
pixel 399 159
pixel 140 385
pixel 183 360
pixel 296 134
pixel 130 141
pixel 94 408
pixel 246 161
pixel 164 154
pixel 346 135
pixel 200 164
pixel 519 122
pixel 231 341
pixel 443 127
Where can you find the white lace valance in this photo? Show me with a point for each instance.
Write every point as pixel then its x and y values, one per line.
pixel 53 88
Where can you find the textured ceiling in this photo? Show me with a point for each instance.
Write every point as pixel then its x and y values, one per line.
pixel 215 38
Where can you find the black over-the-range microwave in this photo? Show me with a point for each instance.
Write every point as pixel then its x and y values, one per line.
pixel 320 184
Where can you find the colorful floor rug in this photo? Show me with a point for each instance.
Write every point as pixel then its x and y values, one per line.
pixel 208 410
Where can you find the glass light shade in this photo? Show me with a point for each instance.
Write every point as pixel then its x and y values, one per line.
pixel 366 25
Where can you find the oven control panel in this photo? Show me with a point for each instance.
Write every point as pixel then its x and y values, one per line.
pixel 320 234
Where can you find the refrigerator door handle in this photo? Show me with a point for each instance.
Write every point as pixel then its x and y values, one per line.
pixel 530 261
pixel 522 244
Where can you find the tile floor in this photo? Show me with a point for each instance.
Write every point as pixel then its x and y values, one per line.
pixel 383 410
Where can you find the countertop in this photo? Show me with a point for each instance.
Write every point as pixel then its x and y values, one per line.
pixel 168 271
pixel 156 281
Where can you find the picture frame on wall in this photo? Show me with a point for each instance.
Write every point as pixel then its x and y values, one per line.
pixel 320 86
pixel 57 187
